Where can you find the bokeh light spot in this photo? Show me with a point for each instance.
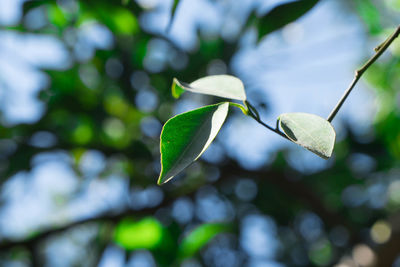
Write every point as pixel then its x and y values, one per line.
pixel 82 134
pixel 381 232
pixel 363 255
pixel 114 128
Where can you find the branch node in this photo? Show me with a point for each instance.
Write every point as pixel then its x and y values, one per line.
pixel 358 73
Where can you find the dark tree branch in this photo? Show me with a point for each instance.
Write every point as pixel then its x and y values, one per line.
pixel 43 234
pixel 295 189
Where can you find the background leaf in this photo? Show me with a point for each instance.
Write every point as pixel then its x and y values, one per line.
pixel 226 86
pixel 199 237
pixel 186 136
pixel 370 14
pixel 310 131
pixel 282 15
pixel 144 234
pixel 173 10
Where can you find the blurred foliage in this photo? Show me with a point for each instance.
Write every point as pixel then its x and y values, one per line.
pixel 144 234
pixel 111 100
pixel 199 237
pixel 281 16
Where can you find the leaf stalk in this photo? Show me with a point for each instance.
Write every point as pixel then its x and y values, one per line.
pixel 252 112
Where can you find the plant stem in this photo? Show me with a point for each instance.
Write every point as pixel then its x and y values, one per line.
pixel 252 112
pixel 379 51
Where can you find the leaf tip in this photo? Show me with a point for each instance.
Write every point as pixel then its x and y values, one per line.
pixel 309 131
pixel 175 81
pixel 180 148
pixel 176 88
pixel 159 181
pixel 162 178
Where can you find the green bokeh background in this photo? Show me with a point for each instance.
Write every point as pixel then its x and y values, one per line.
pixel 111 101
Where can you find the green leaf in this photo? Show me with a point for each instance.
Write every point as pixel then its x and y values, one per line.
pixel 370 15
pixel 309 131
pixel 282 15
pixel 120 20
pixel 144 234
pixel 177 89
pixel 226 86
pixel 173 10
pixel 56 16
pixel 199 237
pixel 185 137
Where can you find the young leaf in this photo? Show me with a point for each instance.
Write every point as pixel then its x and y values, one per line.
pixel 309 131
pixel 185 137
pixel 226 86
pixel 199 237
pixel 177 88
pixel 283 15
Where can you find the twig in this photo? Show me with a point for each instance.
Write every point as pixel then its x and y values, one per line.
pixel 252 112
pixel 379 51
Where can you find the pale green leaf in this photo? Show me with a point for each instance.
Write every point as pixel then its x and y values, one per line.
pixel 309 131
pixel 226 86
pixel 185 137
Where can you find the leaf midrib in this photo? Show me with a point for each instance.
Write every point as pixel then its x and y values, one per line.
pixel 304 131
pixel 179 159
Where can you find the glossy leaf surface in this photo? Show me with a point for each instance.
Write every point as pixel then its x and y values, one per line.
pixel 185 137
pixel 309 131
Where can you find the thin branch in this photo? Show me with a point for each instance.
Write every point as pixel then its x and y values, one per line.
pixel 252 112
pixel 379 51
pixel 276 130
pixel 43 234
